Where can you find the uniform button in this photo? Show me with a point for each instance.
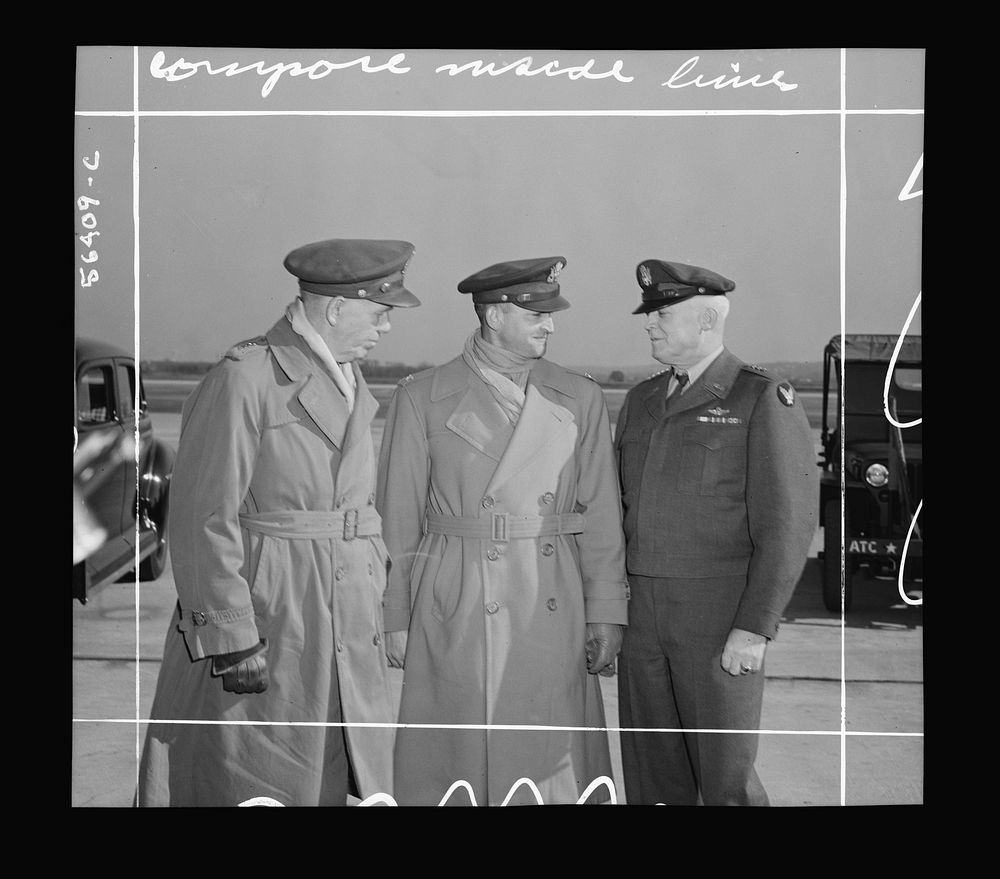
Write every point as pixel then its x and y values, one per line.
pixel 548 497
pixel 371 500
pixel 551 604
pixel 493 554
pixel 548 549
pixel 377 640
pixel 488 502
pixel 340 574
pixel 340 646
pixel 371 570
pixel 199 618
pixel 492 607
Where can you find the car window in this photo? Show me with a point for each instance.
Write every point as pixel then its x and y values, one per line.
pixel 95 399
pixel 126 383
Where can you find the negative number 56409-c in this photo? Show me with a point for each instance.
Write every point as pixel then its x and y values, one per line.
pixel 89 222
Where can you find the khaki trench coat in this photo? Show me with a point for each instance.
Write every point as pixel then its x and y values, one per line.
pixel 497 627
pixel 269 462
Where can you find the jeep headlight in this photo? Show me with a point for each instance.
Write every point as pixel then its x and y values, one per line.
pixel 877 475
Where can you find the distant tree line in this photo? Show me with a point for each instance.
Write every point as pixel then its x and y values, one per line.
pixel 801 375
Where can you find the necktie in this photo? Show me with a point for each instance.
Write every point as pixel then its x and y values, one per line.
pixel 681 378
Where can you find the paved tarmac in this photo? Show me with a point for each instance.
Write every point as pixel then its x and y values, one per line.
pixel 803 754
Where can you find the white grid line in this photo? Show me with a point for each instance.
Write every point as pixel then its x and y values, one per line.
pixel 525 727
pixel 843 327
pixel 842 112
pixel 501 113
pixel 135 271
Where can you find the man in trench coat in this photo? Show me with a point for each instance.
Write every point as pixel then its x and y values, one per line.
pixel 720 492
pixel 507 591
pixel 277 556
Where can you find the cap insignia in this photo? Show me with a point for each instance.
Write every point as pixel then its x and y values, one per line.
pixel 645 276
pixel 554 273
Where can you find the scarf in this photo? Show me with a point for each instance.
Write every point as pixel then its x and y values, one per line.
pixel 342 374
pixel 505 373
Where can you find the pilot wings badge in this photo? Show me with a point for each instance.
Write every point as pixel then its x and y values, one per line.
pixel 645 276
pixel 718 410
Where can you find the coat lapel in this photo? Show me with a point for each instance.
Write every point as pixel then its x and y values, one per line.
pixel 477 419
pixel 713 384
pixel 327 410
pixel 655 398
pixel 542 420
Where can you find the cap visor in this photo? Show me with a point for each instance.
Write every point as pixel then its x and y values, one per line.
pixel 398 298
pixel 647 307
pixel 556 303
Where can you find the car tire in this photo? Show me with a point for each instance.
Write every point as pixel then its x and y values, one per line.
pixel 831 560
pixel 153 566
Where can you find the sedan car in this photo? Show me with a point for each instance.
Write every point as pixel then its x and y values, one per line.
pixel 120 497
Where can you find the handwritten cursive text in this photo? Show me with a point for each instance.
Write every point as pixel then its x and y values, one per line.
pixel 182 69
pixel 523 67
pixel 720 82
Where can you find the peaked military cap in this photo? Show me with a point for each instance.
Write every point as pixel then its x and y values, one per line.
pixel 355 268
pixel 529 283
pixel 664 283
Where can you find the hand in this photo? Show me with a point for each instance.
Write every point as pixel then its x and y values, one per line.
pixel 395 648
pixel 244 671
pixel 744 652
pixel 604 640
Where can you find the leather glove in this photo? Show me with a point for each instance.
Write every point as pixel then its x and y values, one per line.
pixel 395 648
pixel 604 640
pixel 244 671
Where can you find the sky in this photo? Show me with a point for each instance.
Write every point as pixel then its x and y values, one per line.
pixel 600 168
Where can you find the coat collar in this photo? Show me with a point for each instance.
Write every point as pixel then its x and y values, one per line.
pixel 713 384
pixel 327 409
pixel 455 376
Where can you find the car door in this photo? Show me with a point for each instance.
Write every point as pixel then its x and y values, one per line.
pixel 97 414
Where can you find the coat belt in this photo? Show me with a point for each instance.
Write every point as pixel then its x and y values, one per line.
pixel 503 526
pixel 315 524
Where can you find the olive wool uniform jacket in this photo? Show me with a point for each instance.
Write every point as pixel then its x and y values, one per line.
pixel 720 480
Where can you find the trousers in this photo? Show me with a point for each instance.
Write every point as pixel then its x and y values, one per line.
pixel 670 676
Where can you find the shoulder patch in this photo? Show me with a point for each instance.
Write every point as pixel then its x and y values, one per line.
pixel 786 394
pixel 241 349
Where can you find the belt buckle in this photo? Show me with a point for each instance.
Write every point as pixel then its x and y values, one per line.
pixel 499 532
pixel 350 524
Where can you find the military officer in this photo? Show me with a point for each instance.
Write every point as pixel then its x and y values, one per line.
pixel 507 592
pixel 719 491
pixel 278 557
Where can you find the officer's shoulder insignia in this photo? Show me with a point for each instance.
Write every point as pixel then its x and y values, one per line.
pixel 241 349
pixel 656 374
pixel 786 394
pixel 756 367
pixel 407 380
pixel 580 373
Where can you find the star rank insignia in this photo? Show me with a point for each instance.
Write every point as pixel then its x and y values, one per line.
pixel 786 393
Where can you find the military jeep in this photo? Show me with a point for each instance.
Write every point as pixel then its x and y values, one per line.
pixel 882 464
